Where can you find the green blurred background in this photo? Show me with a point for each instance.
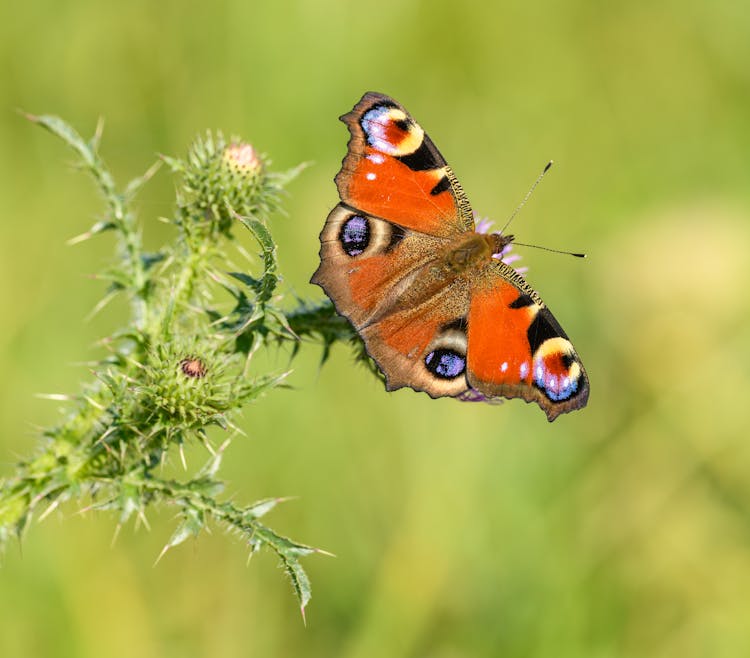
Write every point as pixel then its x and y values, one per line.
pixel 461 530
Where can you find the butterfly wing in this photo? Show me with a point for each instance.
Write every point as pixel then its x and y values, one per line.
pixel 366 263
pixel 486 335
pixel 399 203
pixel 382 278
pixel 516 348
pixel 424 346
pixel 392 170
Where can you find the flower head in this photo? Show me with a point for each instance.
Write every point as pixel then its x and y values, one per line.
pixel 483 225
pixel 193 367
pixel 220 178
pixel 242 158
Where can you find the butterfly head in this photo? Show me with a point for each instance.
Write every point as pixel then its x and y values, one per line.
pixel 499 244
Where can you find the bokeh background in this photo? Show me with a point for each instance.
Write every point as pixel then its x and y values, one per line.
pixel 460 530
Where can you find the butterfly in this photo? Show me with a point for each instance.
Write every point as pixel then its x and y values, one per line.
pixel 400 258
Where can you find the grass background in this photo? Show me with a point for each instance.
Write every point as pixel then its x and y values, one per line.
pixel 460 530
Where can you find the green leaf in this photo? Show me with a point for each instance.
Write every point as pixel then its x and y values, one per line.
pixel 283 545
pixel 66 132
pixel 129 502
pixel 300 581
pixel 149 260
pixel 99 227
pixel 191 526
pixel 265 240
pixel 249 281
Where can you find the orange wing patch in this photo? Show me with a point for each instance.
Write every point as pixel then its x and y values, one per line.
pixel 392 170
pixel 499 348
pixel 516 348
pixel 385 187
pixel 424 347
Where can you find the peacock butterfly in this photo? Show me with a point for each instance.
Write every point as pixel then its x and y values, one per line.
pixel 437 309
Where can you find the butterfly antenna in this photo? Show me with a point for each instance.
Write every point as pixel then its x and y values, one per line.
pixel 528 194
pixel 554 251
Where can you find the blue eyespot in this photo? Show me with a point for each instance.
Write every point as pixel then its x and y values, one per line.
pixel 557 387
pixel 355 235
pixel 445 364
pixel 375 124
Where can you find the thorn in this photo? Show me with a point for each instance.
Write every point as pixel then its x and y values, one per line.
pixel 209 447
pixel 93 402
pixel 304 618
pixel 151 171
pixel 79 238
pixel 115 535
pixel 109 449
pixel 182 456
pixel 105 435
pixel 98 131
pixel 60 397
pixel 144 520
pixel 161 555
pixel 27 115
pixel 327 553
pixel 53 506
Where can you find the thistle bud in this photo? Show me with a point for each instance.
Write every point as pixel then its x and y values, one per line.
pixel 182 389
pixel 242 159
pixel 221 178
pixel 193 367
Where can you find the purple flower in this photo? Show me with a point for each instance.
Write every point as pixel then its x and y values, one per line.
pixel 483 225
pixel 472 395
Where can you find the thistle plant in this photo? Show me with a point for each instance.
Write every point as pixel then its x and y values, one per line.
pixel 181 369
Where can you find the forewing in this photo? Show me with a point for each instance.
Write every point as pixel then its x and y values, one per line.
pixel 392 170
pixel 367 264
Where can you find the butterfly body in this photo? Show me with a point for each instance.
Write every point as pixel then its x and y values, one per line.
pixel 438 309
